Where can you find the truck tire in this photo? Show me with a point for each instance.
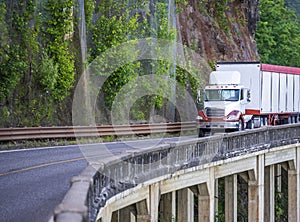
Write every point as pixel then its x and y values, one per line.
pixel 250 124
pixel 241 125
pixel 201 133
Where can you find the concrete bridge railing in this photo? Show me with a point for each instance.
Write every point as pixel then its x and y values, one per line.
pixel 139 176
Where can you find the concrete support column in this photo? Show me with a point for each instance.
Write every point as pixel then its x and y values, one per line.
pixel 261 187
pixel 252 201
pixel 292 192
pixel 203 203
pixel 185 205
pixel 211 185
pixel 267 194
pixel 153 204
pixel 278 177
pixel 231 198
pixel 107 215
pixel 270 193
pixel 174 204
pixel 298 181
pixel 256 191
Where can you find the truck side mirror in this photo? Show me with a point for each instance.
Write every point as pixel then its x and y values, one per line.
pixel 248 95
pixel 199 96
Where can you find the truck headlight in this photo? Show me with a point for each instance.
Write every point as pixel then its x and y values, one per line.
pixel 233 115
pixel 199 118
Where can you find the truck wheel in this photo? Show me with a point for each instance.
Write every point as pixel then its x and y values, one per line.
pixel 201 133
pixel 241 125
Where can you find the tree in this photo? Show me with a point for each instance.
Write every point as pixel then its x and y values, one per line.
pixel 278 34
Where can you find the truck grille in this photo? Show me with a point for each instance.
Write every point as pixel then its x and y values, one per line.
pixel 214 112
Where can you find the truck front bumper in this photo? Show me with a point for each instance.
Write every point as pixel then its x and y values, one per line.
pixel 219 125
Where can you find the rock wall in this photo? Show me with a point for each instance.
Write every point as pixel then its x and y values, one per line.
pixel 220 30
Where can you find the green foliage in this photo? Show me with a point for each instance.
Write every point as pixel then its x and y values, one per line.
pixel 48 72
pixel 118 24
pixel 58 26
pixel 12 53
pixel 278 34
pixel 39 49
pixel 36 65
pixel 89 7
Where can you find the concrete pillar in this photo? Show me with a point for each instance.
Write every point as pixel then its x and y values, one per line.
pixel 272 193
pixel 107 214
pixel 298 181
pixel 174 204
pixel 165 208
pixel 231 198
pixel 153 204
pixel 252 201
pixel 267 194
pixel 292 192
pixel 278 177
pixel 261 185
pixel 256 191
pixel 185 205
pixel 211 185
pixel 203 203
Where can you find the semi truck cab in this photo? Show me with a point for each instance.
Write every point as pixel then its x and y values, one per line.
pixel 225 101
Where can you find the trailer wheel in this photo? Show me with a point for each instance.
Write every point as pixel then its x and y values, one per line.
pixel 250 124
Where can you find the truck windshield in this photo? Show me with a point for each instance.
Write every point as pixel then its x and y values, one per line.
pixel 222 95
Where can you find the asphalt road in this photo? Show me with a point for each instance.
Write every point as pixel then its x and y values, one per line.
pixel 34 181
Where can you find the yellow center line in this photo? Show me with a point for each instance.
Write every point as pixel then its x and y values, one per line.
pixel 45 165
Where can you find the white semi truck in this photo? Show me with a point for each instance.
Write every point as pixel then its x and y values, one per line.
pixel 248 95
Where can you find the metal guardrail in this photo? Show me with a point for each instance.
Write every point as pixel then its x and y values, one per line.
pixel 106 178
pixel 30 133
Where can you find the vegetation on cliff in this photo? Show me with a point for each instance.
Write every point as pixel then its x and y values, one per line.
pixel 36 61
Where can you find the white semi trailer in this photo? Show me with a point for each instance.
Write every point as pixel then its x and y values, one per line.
pixel 248 95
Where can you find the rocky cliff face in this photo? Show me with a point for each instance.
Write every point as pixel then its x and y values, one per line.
pixel 220 30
